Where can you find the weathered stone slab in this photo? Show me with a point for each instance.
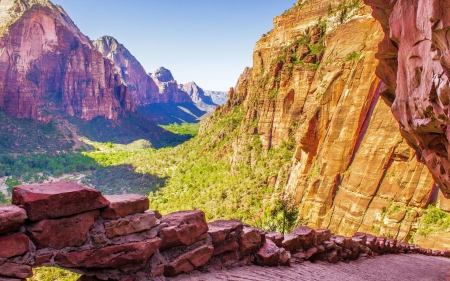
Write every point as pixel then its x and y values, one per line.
pixel 57 199
pixel 131 224
pixel 124 205
pixel 12 245
pixel 184 228
pixel 60 233
pixel 15 270
pixel 226 247
pixel 221 229
pixel 110 257
pixel 11 218
pixel 268 254
pixel 249 240
pixel 189 261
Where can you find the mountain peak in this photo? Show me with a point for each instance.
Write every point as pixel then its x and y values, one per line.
pixel 163 75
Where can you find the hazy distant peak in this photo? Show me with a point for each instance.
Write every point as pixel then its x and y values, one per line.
pixel 163 75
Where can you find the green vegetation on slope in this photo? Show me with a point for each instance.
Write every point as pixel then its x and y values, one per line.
pixel 198 174
pixel 434 220
pixel 22 135
pixel 183 128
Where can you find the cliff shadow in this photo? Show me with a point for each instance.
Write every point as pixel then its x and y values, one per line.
pixel 165 114
pixel 122 179
pixel 126 130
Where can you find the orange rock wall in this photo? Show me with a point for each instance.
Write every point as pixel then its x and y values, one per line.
pixel 351 170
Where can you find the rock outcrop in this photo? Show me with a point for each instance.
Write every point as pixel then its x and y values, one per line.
pixel 48 67
pixel 77 239
pixel 415 68
pixel 313 87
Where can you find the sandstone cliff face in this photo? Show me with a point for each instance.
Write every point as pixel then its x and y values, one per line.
pixel 47 66
pixel 313 85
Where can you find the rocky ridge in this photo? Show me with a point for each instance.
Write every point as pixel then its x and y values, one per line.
pixel 117 238
pixel 313 87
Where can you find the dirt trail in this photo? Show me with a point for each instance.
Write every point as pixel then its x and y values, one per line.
pixel 383 268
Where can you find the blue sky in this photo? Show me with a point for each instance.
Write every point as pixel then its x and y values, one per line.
pixel 206 41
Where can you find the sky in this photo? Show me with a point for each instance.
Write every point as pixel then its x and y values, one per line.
pixel 206 41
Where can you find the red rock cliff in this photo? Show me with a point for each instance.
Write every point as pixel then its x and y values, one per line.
pixel 313 85
pixel 144 89
pixel 415 66
pixel 47 66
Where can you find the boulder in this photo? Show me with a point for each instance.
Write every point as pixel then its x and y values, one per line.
pixel 322 235
pixel 184 228
pixel 130 224
pixel 116 256
pixel 57 199
pixel 12 245
pixel 249 240
pixel 300 238
pixel 268 254
pixel 11 218
pixel 65 232
pixel 189 261
pixel 124 205
pixel 222 229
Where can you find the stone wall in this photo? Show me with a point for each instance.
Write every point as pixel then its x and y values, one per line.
pixel 117 238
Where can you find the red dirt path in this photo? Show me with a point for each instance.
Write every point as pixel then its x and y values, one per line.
pixel 382 268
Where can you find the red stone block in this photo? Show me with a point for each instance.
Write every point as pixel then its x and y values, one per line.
pixel 226 247
pixel 124 205
pixel 11 218
pixel 249 240
pixel 12 245
pixel 117 256
pixel 185 228
pixel 131 224
pixel 268 254
pixel 276 238
pixel 60 233
pixel 220 230
pixel 15 270
pixel 189 261
pixel 57 199
pixel 40 260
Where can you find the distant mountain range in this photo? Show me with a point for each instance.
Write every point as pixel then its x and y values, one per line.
pixel 49 68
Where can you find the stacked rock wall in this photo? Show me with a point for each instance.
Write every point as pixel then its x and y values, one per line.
pixel 116 238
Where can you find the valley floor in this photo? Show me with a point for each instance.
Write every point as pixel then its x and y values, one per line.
pixel 382 268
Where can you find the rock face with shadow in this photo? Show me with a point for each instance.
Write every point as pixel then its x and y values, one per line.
pixel 414 65
pixel 313 88
pixel 48 67
pixel 115 237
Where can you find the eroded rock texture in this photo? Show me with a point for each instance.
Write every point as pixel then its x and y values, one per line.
pixel 313 85
pixel 47 66
pixel 415 66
